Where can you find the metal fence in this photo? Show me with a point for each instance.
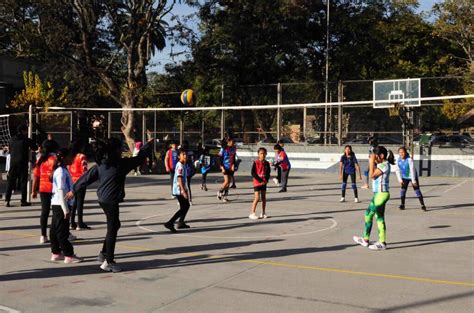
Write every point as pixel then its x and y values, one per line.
pixel 331 125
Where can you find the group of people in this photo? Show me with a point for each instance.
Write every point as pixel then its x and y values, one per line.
pixel 61 177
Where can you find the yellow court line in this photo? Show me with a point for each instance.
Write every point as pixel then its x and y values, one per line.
pixel 326 269
pixel 295 266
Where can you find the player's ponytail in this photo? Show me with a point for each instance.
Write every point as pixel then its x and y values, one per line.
pixel 390 157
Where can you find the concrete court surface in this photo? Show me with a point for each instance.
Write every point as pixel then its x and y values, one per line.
pixel 301 259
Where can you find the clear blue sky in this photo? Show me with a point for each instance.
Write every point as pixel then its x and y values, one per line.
pixel 163 57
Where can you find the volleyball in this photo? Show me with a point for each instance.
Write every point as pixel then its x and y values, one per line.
pixel 187 97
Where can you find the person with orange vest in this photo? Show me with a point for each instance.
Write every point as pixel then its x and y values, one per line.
pixel 77 169
pixel 171 159
pixel 42 182
pixel 261 175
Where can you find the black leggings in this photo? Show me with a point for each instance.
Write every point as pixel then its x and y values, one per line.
pixel 344 184
pixel 17 174
pixel 45 198
pixel 111 210
pixel 183 210
pixel 78 207
pixel 403 190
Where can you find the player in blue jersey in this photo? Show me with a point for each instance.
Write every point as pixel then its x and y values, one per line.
pixel 227 165
pixel 406 174
pixel 348 167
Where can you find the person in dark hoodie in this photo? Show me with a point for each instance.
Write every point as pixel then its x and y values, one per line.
pixel 110 170
pixel 19 148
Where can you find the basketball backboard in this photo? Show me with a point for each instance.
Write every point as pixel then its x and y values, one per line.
pixel 407 92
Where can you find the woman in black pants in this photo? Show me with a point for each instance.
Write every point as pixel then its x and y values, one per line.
pixel 111 170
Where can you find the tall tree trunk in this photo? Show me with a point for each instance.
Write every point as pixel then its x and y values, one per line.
pixel 128 118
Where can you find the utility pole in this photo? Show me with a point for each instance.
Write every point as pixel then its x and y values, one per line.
pixel 326 95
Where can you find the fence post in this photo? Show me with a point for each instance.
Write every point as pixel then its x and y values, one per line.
pixel 304 122
pixel 154 132
pixel 71 125
pixel 144 139
pixel 109 124
pixel 278 111
pixel 340 98
pixel 181 128
pixel 30 135
pixel 222 112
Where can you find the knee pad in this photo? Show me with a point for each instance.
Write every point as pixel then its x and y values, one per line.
pixel 403 193
pixel 344 185
pixel 354 186
pixel 418 193
pixel 366 173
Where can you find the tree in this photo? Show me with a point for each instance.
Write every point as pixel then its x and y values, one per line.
pixel 111 40
pixel 38 93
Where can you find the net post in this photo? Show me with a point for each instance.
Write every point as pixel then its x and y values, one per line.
pixel 340 98
pixel 30 135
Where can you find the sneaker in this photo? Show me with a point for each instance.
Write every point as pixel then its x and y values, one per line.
pixel 182 226
pixel 233 186
pixel 282 190
pixel 25 204
pixel 57 257
pixel 71 237
pixel 173 197
pixel 82 227
pixel 224 199
pixel 219 195
pixel 423 208
pixel 360 241
pixel 401 207
pixel 73 226
pixel 204 188
pixel 253 216
pixel 170 226
pixel 378 246
pixel 110 267
pixel 342 199
pixel 356 200
pixel 275 181
pixel 72 259
pixel 263 216
pixel 44 239
pixel 7 204
pixel 101 257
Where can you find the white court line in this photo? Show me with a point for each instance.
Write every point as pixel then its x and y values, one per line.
pixel 333 225
pixel 456 186
pixel 8 310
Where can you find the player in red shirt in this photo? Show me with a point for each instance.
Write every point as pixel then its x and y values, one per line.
pixel 261 175
pixel 77 169
pixel 42 182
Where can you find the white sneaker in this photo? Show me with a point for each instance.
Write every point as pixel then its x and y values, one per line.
pixel 57 257
pixel 360 241
pixel 253 216
pixel 110 267
pixel 71 237
pixel 356 200
pixel 378 246
pixel 275 180
pixel 44 239
pixel 72 259
pixel 263 216
pixel 342 199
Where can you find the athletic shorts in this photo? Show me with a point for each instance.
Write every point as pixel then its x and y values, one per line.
pixel 229 172
pixel 260 188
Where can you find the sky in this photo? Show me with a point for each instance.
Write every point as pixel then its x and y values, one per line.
pixel 180 9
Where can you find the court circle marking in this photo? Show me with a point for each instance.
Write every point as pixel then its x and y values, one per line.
pixel 138 224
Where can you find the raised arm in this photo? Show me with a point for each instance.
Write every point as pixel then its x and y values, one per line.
pixel 88 178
